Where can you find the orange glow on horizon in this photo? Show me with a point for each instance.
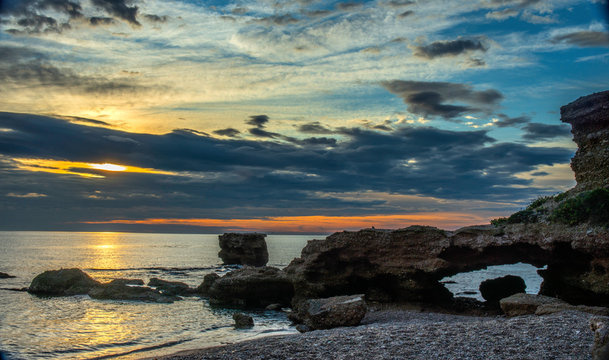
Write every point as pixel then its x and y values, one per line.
pixel 80 168
pixel 318 223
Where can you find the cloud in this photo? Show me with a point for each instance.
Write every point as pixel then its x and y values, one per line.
pixel 26 196
pixel 232 177
pixel 584 38
pixel 538 131
pixel 284 19
pixel 120 9
pixel 507 121
pixel 315 128
pixel 258 120
pixel 429 98
pixel 450 48
pixel 95 21
pixel 348 6
pixel 230 132
pixel 405 14
pixel 156 18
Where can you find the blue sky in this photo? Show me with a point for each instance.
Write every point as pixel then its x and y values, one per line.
pixel 271 115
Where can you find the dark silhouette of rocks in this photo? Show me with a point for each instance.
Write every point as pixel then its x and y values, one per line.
pixel 62 282
pixel 600 348
pixel 493 290
pixel 5 276
pixel 243 321
pixel 121 291
pixel 250 286
pixel 243 249
pixel 171 288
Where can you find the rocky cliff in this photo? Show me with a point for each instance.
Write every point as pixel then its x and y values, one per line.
pixel 589 119
pixel 568 233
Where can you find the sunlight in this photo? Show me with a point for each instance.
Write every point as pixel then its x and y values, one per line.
pixel 108 167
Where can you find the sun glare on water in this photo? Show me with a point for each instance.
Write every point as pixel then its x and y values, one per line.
pixel 108 167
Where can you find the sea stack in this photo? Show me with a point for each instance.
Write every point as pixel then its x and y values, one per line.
pixel 243 249
pixel 589 119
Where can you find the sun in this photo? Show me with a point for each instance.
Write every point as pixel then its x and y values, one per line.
pixel 108 167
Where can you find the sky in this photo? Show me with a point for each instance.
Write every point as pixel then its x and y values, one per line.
pixel 299 116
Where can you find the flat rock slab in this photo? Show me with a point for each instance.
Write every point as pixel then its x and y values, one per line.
pixel 526 304
pixel 333 312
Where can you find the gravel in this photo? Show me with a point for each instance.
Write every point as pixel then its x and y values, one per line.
pixel 412 334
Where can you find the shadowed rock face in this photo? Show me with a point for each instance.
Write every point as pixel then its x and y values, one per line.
pixel 589 119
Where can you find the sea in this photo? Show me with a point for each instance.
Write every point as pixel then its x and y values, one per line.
pixel 78 327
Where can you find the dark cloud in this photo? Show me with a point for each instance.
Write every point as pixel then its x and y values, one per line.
pixel 101 21
pixel 348 6
pixel 405 14
pixel 584 38
pixel 284 19
pixel 156 18
pixel 20 66
pixel 537 131
pixel 450 48
pixel 506 121
pixel 258 120
pixel 429 98
pixel 120 9
pixel 259 132
pixel 316 13
pixel 400 3
pixel 314 128
pixel 230 132
pixel 228 178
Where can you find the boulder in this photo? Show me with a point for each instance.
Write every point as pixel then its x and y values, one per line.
pixel 243 249
pixel 5 276
pixel 526 304
pixel 251 287
pixel 137 282
pixel 62 282
pixel 332 312
pixel 119 291
pixel 243 321
pixel 600 348
pixel 208 281
pixel 171 287
pixel 493 290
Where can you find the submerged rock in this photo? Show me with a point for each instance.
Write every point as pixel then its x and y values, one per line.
pixel 62 282
pixel 332 312
pixel 5 276
pixel 171 287
pixel 121 291
pixel 251 287
pixel 126 282
pixel 493 290
pixel 243 321
pixel 243 249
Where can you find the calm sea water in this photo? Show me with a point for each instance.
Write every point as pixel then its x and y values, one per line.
pixel 77 327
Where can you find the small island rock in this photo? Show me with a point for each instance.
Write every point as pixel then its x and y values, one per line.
pixel 243 249
pixel 493 290
pixel 62 282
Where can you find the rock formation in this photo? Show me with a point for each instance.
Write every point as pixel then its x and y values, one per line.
pixel 122 291
pixel 243 249
pixel 600 348
pixel 249 287
pixel 171 288
pixel 243 321
pixel 62 283
pixel 493 290
pixel 331 312
pixel 589 119
pixel 5 276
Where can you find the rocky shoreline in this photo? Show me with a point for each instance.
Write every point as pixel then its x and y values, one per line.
pixel 415 334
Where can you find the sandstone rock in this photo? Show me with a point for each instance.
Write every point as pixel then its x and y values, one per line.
pixel 600 348
pixel 244 249
pixel 589 119
pixel 171 287
pixel 5 276
pixel 525 304
pixel 62 282
pixel 208 281
pixel 118 291
pixel 493 290
pixel 243 321
pixel 251 287
pixel 332 312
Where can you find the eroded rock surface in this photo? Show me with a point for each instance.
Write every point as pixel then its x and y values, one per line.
pixel 332 312
pixel 526 304
pixel 589 119
pixel 243 249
